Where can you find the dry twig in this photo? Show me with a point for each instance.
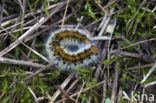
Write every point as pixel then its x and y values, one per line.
pixel 37 72
pixel 85 90
pixel 115 83
pixel 36 100
pixel 149 73
pixel 63 85
pixel 66 95
pixel 20 62
pixel 28 32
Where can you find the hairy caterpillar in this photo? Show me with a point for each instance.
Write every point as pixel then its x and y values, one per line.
pixel 71 48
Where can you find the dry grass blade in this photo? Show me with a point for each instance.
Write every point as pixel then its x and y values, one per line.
pixel 66 95
pixel 63 85
pixel 21 38
pixel 29 32
pixel 135 44
pixel 80 92
pixel 150 84
pixel 20 62
pixel 36 100
pixel 37 72
pixel 149 73
pixel 50 98
pixel 85 90
pixel 115 83
pixel 65 12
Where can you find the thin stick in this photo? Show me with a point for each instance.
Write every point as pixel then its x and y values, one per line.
pixel 65 12
pixel 21 38
pixel 42 31
pixel 110 3
pixel 50 98
pixel 140 67
pixel 105 23
pixel 63 85
pixel 80 92
pixel 101 38
pixel 37 72
pixel 34 51
pixel 85 90
pixel 149 73
pixel 135 44
pixel 104 89
pixel 36 100
pixel 154 9
pixel 27 33
pixel 134 17
pixel 109 43
pixel 72 85
pixel 115 83
pixel 10 27
pixel 29 14
pixel 111 37
pixel 150 84
pixel 65 94
pixel 123 53
pixel 20 62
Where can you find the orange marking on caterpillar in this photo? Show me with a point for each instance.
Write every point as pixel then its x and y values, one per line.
pixel 94 49
pixel 73 58
pixel 70 34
